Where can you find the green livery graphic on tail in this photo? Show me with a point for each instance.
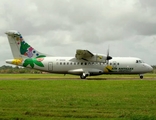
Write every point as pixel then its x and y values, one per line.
pixel 25 48
pixel 23 53
pixel 37 61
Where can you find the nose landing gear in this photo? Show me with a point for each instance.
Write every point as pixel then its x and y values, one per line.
pixel 141 76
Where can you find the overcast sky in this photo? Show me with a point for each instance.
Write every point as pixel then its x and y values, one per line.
pixel 59 27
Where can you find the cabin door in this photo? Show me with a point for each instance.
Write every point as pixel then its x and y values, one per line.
pixel 50 66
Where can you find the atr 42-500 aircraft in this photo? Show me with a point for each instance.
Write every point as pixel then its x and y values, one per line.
pixel 83 64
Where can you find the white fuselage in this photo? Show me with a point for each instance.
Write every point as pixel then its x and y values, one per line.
pixel 70 65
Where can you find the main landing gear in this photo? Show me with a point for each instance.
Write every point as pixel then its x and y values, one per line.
pixel 83 76
pixel 141 76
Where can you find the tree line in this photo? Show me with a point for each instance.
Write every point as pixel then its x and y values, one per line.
pixel 17 70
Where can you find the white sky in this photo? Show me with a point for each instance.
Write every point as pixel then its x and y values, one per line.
pixel 59 27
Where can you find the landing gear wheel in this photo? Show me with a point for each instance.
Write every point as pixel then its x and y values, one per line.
pixel 82 77
pixel 141 77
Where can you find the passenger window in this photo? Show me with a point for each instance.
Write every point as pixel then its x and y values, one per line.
pixel 136 61
pixel 67 63
pixel 71 63
pixel 64 63
pixel 110 63
pixel 74 63
pixel 85 63
pixel 60 63
pixel 81 63
pixel 117 63
pixel 77 63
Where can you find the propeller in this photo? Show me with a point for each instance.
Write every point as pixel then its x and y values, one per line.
pixel 108 57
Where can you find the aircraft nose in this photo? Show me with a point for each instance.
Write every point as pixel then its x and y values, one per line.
pixel 150 68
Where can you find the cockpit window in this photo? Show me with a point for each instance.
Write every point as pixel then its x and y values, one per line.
pixel 139 61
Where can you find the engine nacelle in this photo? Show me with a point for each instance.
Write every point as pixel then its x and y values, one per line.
pixel 98 58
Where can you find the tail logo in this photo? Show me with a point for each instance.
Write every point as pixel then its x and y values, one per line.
pixel 29 61
pixel 25 49
pixel 34 61
pixel 24 54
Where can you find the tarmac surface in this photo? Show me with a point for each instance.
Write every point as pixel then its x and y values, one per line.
pixel 65 78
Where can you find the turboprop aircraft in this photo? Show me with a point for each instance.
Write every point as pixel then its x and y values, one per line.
pixel 83 64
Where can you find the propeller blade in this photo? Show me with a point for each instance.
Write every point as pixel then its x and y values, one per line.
pixel 108 57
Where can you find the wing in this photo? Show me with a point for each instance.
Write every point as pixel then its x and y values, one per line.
pixel 83 54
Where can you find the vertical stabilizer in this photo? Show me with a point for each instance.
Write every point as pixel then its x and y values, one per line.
pixel 19 48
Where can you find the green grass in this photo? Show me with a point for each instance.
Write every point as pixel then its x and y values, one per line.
pixel 76 99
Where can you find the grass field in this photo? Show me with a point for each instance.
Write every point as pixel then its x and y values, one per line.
pixel 36 96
